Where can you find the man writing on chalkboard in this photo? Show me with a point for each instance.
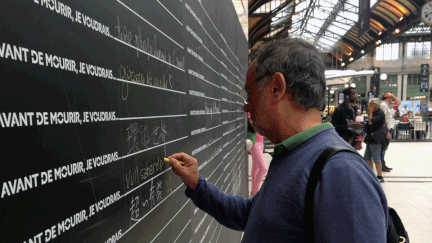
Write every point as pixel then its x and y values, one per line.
pixel 284 93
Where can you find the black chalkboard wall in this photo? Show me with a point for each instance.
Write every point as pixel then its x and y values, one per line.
pixel 94 95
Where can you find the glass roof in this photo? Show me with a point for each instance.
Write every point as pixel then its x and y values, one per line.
pixel 310 16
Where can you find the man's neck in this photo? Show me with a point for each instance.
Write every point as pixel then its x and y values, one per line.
pixel 348 104
pixel 300 123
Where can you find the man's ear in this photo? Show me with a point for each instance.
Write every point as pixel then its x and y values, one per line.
pixel 278 87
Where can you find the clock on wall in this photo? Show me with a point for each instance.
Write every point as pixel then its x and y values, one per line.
pixel 426 13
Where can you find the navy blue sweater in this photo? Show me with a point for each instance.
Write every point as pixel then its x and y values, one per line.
pixel 349 203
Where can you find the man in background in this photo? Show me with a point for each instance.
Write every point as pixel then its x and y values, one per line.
pixel 344 116
pixel 390 100
pixel 404 111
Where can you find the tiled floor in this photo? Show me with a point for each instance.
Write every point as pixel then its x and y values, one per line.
pixel 408 186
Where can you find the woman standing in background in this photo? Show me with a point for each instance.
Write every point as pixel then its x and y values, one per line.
pixel 259 168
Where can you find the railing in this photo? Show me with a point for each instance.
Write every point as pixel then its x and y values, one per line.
pixel 416 129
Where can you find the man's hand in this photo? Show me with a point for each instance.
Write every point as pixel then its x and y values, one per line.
pixel 187 172
pixel 388 135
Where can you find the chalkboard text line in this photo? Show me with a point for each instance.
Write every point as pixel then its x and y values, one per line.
pixel 178 211
pixel 150 86
pixel 170 12
pixel 139 16
pixel 189 29
pixel 183 227
pixel 200 76
pixel 200 23
pixel 149 117
pixel 125 156
pixel 139 220
pixel 115 38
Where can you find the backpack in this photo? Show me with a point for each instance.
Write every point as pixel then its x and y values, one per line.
pixel 395 231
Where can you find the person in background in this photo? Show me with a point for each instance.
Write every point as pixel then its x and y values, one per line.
pixel 407 117
pixel 375 124
pixel 284 92
pixel 259 167
pixel 404 111
pixel 330 116
pixel 344 117
pixel 359 118
pixel 397 114
pixel 424 111
pixel 390 100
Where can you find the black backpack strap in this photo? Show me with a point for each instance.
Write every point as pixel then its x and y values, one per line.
pixel 313 182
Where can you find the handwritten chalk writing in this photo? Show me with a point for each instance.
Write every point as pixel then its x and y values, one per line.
pixel 58 7
pixel 139 137
pixel 197 131
pixel 117 236
pixel 92 24
pixel 200 223
pixel 101 160
pixel 159 191
pixel 13 52
pixel 195 54
pixel 21 184
pixel 212 109
pixel 148 46
pixel 166 82
pixel 137 174
pixel 194 34
pixel 71 222
pixel 135 212
pixel 104 203
pixel 19 119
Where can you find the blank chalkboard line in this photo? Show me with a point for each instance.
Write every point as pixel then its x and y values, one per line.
pixel 190 71
pixel 226 78
pixel 125 156
pixel 150 86
pixel 115 38
pixel 178 211
pixel 225 66
pixel 148 117
pixel 139 220
pixel 190 50
pixel 149 23
pixel 170 13
pixel 200 23
pixel 183 227
pixel 219 33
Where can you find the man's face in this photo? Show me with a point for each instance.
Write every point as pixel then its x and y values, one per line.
pixel 256 102
pixel 353 96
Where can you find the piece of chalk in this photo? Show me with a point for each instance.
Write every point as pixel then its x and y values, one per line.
pixel 167 160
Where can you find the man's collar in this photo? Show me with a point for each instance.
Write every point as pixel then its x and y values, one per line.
pixel 294 141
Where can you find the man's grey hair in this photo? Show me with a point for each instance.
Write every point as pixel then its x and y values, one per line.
pixel 300 64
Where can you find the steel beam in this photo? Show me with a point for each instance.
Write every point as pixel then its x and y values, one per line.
pixel 338 7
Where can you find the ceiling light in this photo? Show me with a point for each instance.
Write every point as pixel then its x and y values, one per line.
pixel 362 51
pixel 349 54
pixel 296 1
pixel 289 31
pixel 401 18
pixel 351 59
pixel 346 85
pixel 353 85
pixel 380 33
pixel 379 41
pixel 343 64
pixel 397 31
pixel 331 91
pixel 383 76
